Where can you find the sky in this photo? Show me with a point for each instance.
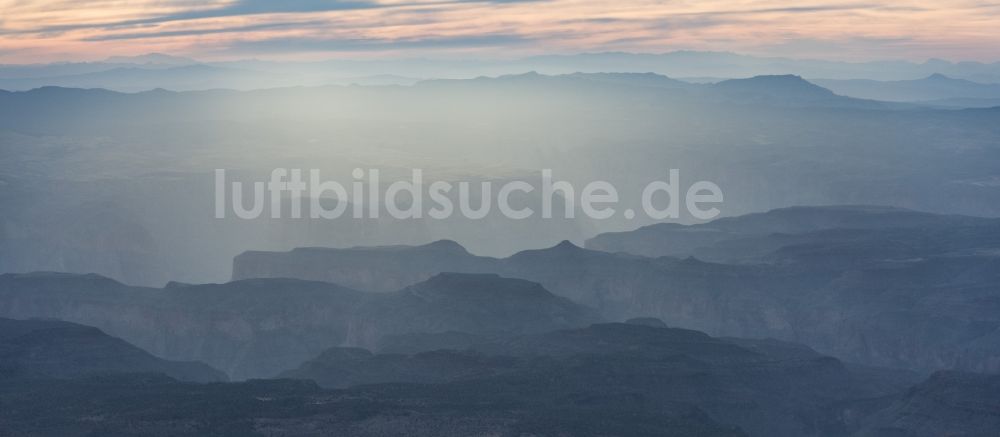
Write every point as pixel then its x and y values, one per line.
pixel 80 30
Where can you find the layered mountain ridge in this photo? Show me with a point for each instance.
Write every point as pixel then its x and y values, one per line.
pixel 259 327
pixel 849 281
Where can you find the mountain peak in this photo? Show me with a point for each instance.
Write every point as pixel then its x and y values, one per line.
pixel 773 83
pixel 566 245
pixel 465 279
pixel 938 76
pixel 784 88
pixel 447 246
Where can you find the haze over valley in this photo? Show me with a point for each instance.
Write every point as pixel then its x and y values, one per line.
pixel 499 218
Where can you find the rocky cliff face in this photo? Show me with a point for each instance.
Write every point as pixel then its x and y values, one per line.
pixel 257 328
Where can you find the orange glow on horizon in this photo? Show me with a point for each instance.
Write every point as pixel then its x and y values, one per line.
pixel 62 30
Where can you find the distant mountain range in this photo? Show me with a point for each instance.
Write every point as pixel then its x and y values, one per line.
pixel 121 184
pixel 163 71
pixel 716 240
pixel 936 89
pixel 623 91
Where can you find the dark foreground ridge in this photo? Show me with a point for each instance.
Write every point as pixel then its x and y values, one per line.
pixel 55 349
pixel 631 379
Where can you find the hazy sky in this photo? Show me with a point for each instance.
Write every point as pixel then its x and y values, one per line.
pixel 48 30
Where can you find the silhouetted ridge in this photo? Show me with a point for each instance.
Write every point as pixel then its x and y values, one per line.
pixel 634 79
pixel 258 327
pixel 765 275
pixel 785 91
pixel 565 245
pixel 451 285
pixel 792 85
pixel 446 246
pixel 91 280
pixel 64 92
pixel 57 349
